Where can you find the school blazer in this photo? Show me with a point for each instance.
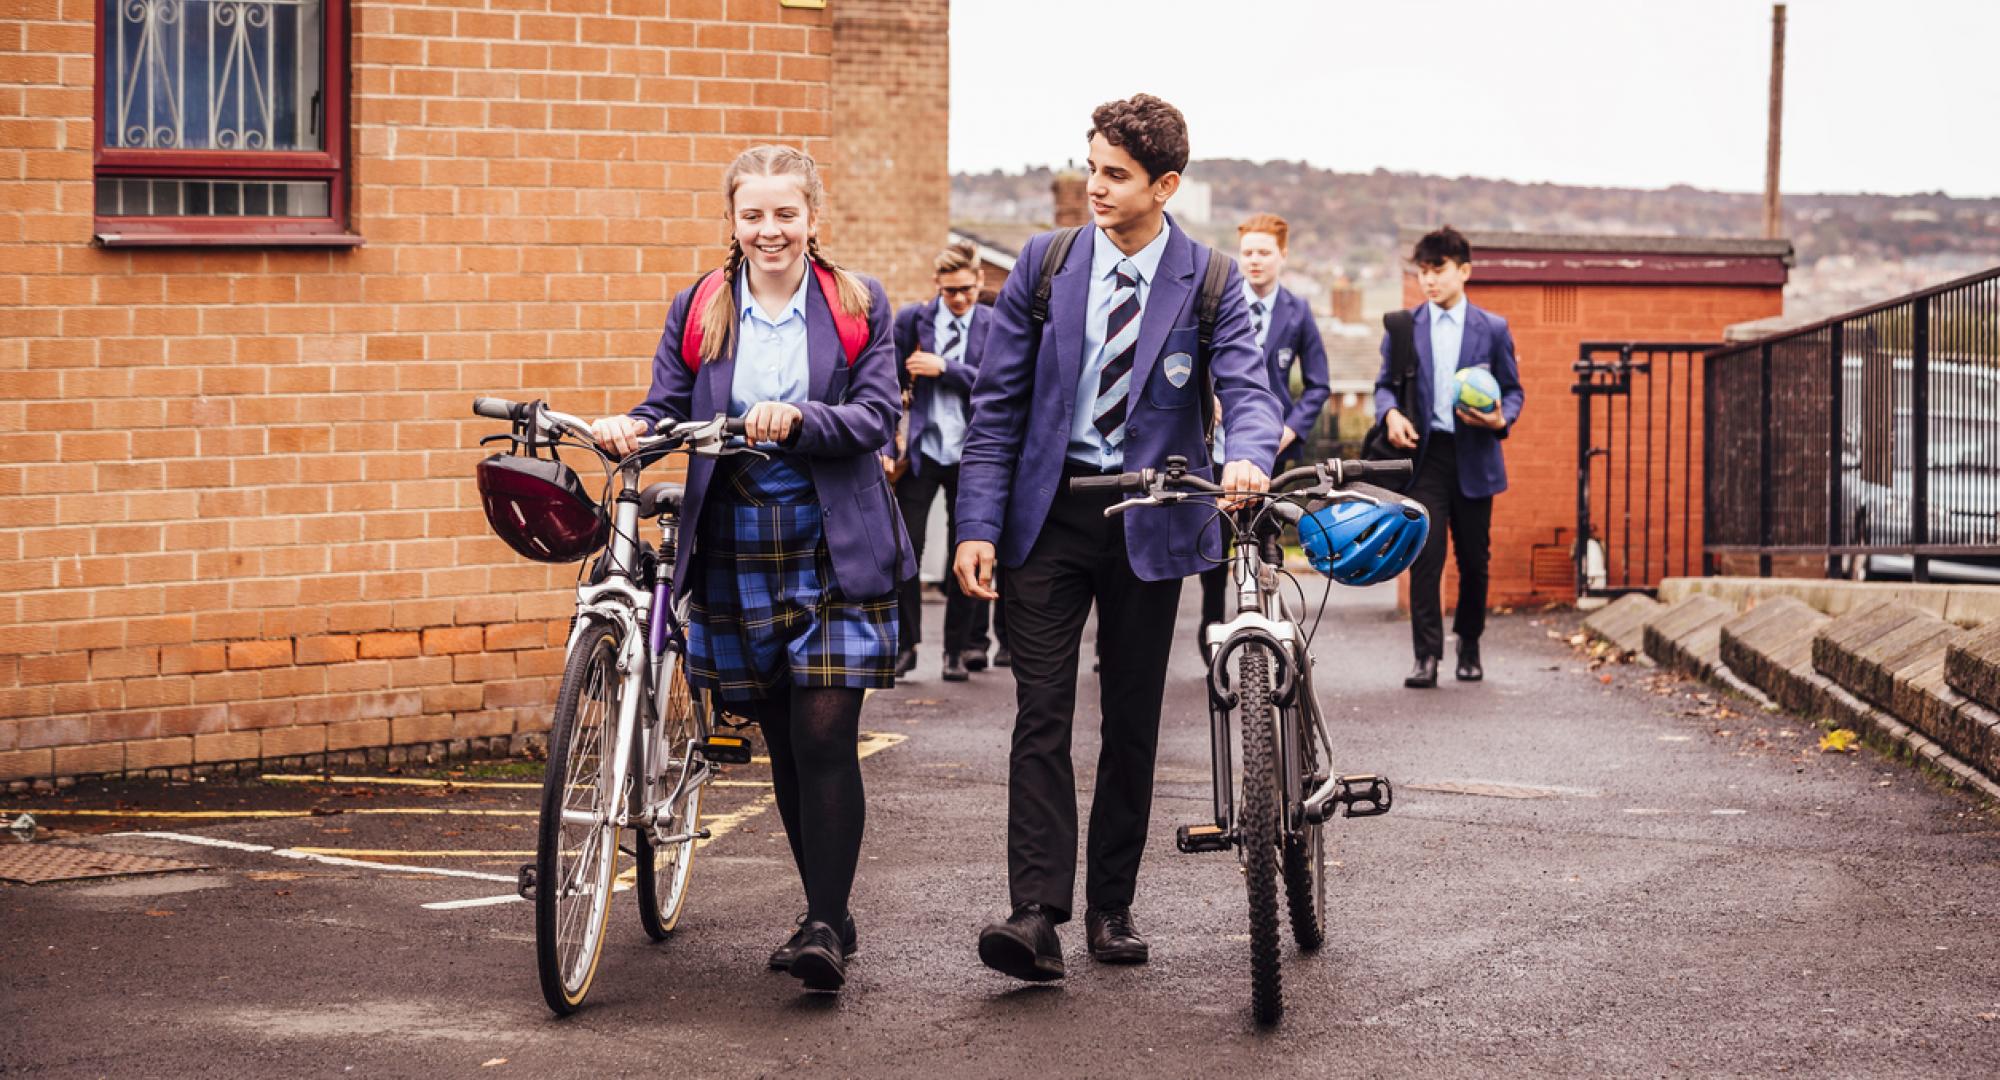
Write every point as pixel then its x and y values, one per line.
pixel 851 411
pixel 916 330
pixel 1025 399
pixel 1482 470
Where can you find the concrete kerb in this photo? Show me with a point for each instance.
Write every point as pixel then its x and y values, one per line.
pixel 1770 650
pixel 1972 665
pixel 1961 605
pixel 1623 622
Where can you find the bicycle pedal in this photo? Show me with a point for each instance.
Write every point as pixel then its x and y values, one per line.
pixel 1365 795
pixel 524 883
pixel 1197 838
pixel 725 750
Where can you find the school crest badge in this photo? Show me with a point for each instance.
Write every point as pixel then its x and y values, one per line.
pixel 1284 357
pixel 1179 367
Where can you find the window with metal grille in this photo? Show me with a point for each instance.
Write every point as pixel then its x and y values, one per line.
pixel 222 122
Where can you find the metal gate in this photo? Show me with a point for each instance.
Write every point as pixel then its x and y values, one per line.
pixel 1639 447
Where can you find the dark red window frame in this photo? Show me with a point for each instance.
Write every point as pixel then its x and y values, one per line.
pixel 330 165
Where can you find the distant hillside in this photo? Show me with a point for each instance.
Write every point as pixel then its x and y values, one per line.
pixel 1345 223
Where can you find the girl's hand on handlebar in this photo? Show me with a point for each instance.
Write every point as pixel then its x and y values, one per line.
pixel 771 421
pixel 1243 476
pixel 618 434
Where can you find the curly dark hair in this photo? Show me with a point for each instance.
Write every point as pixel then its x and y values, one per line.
pixel 1149 129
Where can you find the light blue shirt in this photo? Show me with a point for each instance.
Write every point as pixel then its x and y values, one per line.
pixel 771 357
pixel 1270 310
pixel 1447 335
pixel 943 439
pixel 1086 446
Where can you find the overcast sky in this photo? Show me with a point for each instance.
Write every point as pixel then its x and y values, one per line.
pixel 1892 96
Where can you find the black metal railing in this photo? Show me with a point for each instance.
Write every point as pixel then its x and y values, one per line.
pixel 1875 433
pixel 1637 501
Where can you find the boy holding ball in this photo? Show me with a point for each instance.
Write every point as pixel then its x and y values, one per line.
pixel 1456 426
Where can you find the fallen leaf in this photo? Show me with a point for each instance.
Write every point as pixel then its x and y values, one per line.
pixel 490 1062
pixel 1838 741
pixel 158 913
pixel 1605 678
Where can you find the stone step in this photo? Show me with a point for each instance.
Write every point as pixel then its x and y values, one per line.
pixel 1623 621
pixel 1972 665
pixel 1863 651
pixel 1770 646
pixel 1688 636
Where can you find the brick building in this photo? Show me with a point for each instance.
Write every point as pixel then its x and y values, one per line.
pixel 1557 292
pixel 239 341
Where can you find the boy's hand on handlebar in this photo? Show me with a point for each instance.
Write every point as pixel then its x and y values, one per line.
pixel 618 434
pixel 1243 476
pixel 973 563
pixel 771 422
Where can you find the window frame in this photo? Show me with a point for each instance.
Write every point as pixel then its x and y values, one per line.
pixel 330 165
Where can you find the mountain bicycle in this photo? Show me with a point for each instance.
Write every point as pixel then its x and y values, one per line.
pixel 630 746
pixel 1272 809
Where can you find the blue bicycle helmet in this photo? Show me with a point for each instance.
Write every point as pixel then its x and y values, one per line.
pixel 1358 544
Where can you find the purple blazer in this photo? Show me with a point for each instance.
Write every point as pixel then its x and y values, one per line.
pixel 1482 470
pixel 1025 400
pixel 850 412
pixel 1294 338
pixel 916 329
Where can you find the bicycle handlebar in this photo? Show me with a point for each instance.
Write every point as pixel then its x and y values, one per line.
pixel 503 409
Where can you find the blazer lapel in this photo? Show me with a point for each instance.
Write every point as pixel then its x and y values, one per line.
pixel 1068 300
pixel 1164 301
pixel 975 342
pixel 927 327
pixel 1425 384
pixel 1472 348
pixel 822 340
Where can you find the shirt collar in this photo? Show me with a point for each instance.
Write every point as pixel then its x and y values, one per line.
pixel 1455 315
pixel 1250 297
pixel 1105 254
pixel 944 315
pixel 748 309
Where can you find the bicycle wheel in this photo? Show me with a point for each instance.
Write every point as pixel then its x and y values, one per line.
pixel 664 869
pixel 1258 832
pixel 576 850
pixel 1305 856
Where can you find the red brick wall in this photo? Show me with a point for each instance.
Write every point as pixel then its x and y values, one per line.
pixel 236 515
pixel 1539 506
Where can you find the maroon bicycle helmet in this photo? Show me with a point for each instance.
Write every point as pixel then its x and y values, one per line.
pixel 538 506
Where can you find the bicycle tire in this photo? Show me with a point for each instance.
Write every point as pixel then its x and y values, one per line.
pixel 573 895
pixel 1258 832
pixel 1305 857
pixel 664 871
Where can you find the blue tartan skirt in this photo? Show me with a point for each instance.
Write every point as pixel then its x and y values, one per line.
pixel 765 613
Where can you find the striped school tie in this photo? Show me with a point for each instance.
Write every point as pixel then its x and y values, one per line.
pixel 951 348
pixel 1257 320
pixel 1121 342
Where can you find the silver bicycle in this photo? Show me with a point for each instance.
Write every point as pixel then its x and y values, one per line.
pixel 630 746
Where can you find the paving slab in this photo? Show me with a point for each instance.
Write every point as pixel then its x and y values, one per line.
pixel 1688 636
pixel 1623 621
pixel 1770 646
pixel 1972 665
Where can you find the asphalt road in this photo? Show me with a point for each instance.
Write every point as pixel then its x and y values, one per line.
pixel 1688 891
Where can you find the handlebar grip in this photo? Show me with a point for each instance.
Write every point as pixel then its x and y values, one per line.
pixel 1130 481
pixel 1377 470
pixel 1290 511
pixel 733 426
pixel 495 408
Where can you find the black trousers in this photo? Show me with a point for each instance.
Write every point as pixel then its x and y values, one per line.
pixel 1078 560
pixel 964 617
pixel 1470 522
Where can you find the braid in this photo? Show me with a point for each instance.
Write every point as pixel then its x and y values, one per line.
pixel 854 297
pixel 718 323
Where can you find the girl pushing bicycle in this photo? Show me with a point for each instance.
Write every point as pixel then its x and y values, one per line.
pixel 792 561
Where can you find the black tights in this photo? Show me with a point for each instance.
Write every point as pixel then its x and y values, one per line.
pixel 813 734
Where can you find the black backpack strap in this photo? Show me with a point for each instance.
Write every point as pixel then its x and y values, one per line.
pixel 1208 306
pixel 1402 328
pixel 1053 258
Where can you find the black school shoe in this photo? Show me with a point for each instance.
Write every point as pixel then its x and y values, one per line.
pixel 1113 938
pixel 781 957
pixel 821 962
pixel 1025 946
pixel 954 668
pixel 906 662
pixel 1468 662
pixel 1003 657
pixel 1424 676
pixel 975 659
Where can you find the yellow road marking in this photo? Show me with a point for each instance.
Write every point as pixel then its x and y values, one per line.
pixel 368 853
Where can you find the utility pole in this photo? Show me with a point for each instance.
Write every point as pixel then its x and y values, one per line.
pixel 1773 216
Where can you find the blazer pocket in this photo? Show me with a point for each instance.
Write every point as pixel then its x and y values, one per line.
pixel 1173 382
